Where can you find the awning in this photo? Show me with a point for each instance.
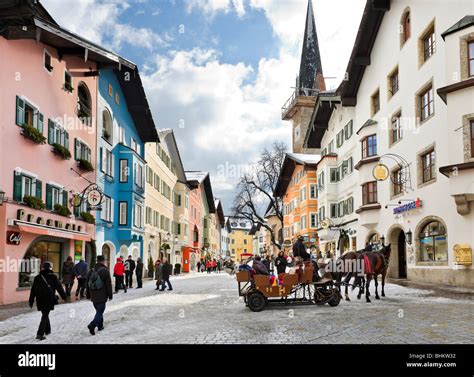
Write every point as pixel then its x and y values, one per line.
pixel 53 232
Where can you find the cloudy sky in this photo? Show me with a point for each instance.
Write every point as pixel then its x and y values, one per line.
pixel 217 71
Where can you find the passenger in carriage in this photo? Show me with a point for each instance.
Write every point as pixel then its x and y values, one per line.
pixel 299 250
pixel 259 267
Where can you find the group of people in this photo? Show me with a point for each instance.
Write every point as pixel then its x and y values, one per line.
pixel 163 271
pixel 96 283
pixel 209 266
pixel 123 273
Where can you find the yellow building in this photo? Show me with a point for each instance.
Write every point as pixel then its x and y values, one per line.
pixel 240 239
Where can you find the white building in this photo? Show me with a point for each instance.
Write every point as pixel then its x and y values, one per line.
pixel 409 97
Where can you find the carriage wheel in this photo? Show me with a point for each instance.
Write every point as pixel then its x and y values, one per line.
pixel 336 298
pixel 256 302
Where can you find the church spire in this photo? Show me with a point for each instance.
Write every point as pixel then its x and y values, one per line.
pixel 311 69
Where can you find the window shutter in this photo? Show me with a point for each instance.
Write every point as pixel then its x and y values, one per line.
pixel 65 198
pixel 112 165
pixel 39 189
pixel 66 140
pixel 102 159
pixel 112 210
pixel 49 196
pixel 50 131
pixel 20 111
pixel 17 178
pixel 40 125
pixel 77 149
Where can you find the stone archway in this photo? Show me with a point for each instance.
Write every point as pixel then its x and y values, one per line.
pixel 108 251
pixel 397 267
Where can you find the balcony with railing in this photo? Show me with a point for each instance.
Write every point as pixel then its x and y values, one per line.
pixel 299 97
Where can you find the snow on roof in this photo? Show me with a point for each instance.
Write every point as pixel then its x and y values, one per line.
pixel 199 176
pixel 303 158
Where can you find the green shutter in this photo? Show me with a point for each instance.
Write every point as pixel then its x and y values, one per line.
pixel 17 186
pixel 50 131
pixel 49 197
pixel 39 192
pixel 20 111
pixel 77 149
pixel 40 124
pixel 65 198
pixel 66 140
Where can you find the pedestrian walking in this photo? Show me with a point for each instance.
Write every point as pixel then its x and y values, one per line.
pixel 139 272
pixel 214 265
pixel 158 274
pixel 218 266
pixel 119 272
pixel 165 275
pixel 208 266
pixel 129 268
pixel 99 290
pixel 199 266
pixel 80 272
pixel 67 275
pixel 44 288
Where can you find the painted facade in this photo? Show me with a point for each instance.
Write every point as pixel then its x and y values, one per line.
pixel 241 242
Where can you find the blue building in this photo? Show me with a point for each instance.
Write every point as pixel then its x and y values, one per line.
pixel 124 125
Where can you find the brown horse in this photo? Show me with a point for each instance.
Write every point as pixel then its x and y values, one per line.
pixel 377 264
pixel 344 269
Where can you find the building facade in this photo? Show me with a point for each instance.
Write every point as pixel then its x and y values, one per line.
pixel 241 242
pixel 411 129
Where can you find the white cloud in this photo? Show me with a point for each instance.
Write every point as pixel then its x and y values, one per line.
pixel 211 7
pixel 99 22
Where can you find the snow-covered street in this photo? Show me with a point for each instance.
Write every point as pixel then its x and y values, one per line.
pixel 206 309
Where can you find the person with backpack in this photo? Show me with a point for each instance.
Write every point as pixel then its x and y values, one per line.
pixel 45 286
pixel 80 272
pixel 67 275
pixel 139 272
pixel 119 272
pixel 129 268
pixel 99 290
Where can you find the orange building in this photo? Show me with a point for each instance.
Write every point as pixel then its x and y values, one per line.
pixel 297 186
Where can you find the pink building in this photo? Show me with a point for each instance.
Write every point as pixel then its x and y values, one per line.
pixel 48 132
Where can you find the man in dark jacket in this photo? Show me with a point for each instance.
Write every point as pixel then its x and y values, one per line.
pixel 67 275
pixel 299 250
pixel 259 267
pixel 139 272
pixel 44 290
pixel 98 290
pixel 129 268
pixel 166 271
pixel 80 272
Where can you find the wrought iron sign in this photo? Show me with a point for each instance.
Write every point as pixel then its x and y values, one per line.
pixel 381 172
pixel 92 195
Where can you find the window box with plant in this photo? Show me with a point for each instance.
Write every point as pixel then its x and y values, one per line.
pixel 33 134
pixel 85 165
pixel 62 210
pixel 34 202
pixel 87 217
pixel 61 151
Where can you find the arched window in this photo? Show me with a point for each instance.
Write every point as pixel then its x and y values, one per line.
pixel 84 104
pixel 405 27
pixel 433 243
pixel 107 126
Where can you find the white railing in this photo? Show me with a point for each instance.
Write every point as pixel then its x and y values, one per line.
pixel 303 92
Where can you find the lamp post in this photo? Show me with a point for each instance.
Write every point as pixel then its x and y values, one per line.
pixel 2 197
pixel 409 237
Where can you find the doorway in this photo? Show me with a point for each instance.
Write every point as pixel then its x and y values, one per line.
pixel 402 261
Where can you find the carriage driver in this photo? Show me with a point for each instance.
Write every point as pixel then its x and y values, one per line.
pixel 299 250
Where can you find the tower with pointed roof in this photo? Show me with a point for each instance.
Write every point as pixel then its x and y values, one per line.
pixel 310 81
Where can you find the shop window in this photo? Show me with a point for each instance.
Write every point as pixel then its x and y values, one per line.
pixel 35 256
pixel 369 146
pixel 433 243
pixel 369 193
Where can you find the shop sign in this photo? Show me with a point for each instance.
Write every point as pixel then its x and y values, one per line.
pixel 462 254
pixel 381 172
pixel 408 207
pixel 57 224
pixel 13 238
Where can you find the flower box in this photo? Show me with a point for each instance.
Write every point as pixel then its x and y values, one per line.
pixel 33 134
pixel 61 151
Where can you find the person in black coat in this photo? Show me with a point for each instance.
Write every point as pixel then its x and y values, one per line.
pixel 45 286
pixel 299 250
pixel 100 296
pixel 80 272
pixel 129 268
pixel 259 267
pixel 139 272
pixel 281 263
pixel 67 275
pixel 167 269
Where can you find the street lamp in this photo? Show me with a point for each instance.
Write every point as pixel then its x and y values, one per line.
pixel 2 197
pixel 409 237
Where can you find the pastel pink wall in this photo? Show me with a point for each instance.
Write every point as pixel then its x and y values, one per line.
pixel 22 74
pixel 195 200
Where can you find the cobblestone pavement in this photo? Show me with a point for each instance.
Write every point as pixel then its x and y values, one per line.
pixel 206 309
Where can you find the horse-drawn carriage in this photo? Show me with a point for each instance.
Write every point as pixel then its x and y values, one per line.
pixel 301 287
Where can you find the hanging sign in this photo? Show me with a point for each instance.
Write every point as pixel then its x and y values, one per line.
pixel 380 172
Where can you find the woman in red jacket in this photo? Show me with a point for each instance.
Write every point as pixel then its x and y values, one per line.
pixel 119 272
pixel 214 265
pixel 208 266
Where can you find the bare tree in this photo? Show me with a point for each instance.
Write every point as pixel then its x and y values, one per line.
pixel 255 190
